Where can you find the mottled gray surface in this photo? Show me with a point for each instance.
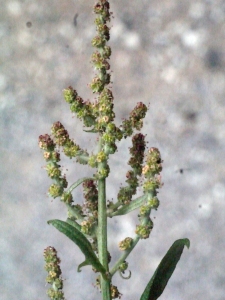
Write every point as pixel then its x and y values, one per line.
pixel 168 53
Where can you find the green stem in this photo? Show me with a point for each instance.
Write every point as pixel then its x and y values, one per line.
pixel 128 251
pixel 124 256
pixel 102 234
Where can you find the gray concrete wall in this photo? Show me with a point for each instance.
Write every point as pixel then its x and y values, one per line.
pixel 168 53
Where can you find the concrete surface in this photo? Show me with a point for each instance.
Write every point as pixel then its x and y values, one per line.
pixel 168 53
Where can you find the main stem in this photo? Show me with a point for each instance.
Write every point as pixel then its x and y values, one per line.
pixel 102 234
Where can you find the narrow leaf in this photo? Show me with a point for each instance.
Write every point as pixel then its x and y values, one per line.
pixel 82 242
pixel 165 269
pixel 73 223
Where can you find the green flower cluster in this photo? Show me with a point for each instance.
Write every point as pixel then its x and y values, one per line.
pixel 135 120
pixel 61 138
pixel 52 158
pixel 83 109
pixel 152 203
pixel 109 138
pixel 137 156
pixel 87 226
pixel 144 229
pixel 125 244
pixel 54 274
pixel 103 109
pixel 151 172
pixel 115 292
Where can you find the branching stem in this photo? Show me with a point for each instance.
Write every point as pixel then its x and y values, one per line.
pixel 102 233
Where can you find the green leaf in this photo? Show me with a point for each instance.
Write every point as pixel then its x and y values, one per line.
pixel 82 242
pixel 73 223
pixel 129 207
pixel 165 269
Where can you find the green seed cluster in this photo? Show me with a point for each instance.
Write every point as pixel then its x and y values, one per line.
pixel 137 156
pixel 54 274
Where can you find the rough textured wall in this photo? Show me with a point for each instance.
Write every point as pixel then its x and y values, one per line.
pixel 166 53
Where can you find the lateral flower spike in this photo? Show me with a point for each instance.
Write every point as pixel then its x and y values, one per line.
pixel 136 160
pixel 54 277
pixel 151 171
pixel 70 148
pixel 135 120
pixel 53 169
pixel 83 109
pixel 104 105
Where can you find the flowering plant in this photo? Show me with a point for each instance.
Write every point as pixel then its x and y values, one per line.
pixel 86 225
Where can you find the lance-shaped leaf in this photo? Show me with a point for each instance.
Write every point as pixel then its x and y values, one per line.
pixel 165 269
pixel 82 242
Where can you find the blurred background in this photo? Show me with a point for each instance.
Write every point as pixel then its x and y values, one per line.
pixel 168 53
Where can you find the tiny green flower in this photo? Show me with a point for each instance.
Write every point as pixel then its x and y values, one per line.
pixel 125 244
pixel 55 190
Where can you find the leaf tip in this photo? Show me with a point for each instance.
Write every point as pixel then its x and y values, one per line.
pixel 187 243
pixel 50 222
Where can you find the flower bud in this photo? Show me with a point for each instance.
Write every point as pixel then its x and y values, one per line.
pixel 55 190
pixel 123 267
pixel 96 85
pixel 67 197
pixel 101 157
pixel 115 292
pixel 144 230
pixel 70 95
pixel 46 143
pixel 98 42
pixel 154 202
pixel 125 244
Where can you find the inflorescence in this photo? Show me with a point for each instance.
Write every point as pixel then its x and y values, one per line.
pixel 99 117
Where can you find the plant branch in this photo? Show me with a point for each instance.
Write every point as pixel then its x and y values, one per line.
pixel 102 233
pixel 124 255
